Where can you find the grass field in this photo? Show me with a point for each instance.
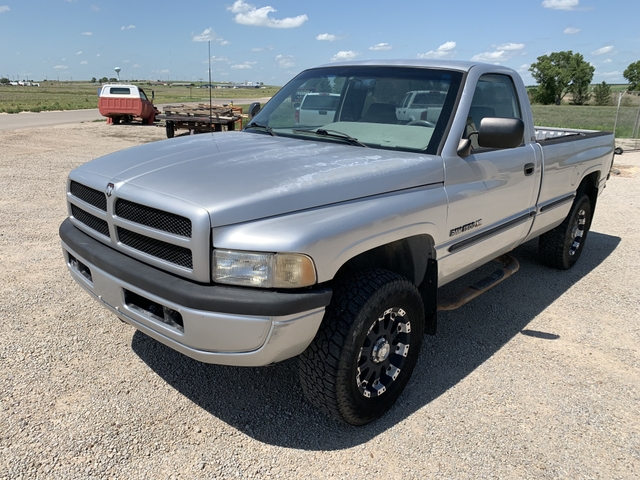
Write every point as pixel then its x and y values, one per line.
pixel 82 95
pixel 586 117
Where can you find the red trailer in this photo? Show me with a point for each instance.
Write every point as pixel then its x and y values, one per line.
pixel 124 103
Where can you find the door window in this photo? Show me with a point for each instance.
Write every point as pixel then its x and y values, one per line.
pixel 495 96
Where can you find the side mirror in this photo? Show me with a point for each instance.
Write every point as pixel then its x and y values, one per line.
pixel 497 132
pixel 254 108
pixel 494 132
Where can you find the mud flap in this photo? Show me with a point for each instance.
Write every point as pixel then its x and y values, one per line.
pixel 429 292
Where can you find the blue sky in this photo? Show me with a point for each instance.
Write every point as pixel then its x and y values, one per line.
pixel 272 40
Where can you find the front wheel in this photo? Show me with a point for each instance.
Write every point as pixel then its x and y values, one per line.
pixel 562 246
pixel 366 348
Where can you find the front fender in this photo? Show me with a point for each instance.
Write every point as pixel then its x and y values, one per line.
pixel 334 234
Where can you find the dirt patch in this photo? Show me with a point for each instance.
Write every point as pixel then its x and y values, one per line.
pixel 624 171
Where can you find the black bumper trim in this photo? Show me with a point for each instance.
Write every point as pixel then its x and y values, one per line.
pixel 211 298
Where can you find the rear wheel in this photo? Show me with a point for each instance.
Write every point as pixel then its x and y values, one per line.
pixel 366 348
pixel 562 246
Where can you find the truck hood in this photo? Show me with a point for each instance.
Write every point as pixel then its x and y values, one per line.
pixel 242 176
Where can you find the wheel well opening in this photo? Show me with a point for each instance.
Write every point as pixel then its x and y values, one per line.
pixel 589 185
pixel 408 257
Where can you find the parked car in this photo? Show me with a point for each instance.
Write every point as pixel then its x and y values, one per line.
pixel 317 108
pixel 421 105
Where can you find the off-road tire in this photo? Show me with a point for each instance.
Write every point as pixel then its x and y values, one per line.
pixel 363 335
pixel 561 247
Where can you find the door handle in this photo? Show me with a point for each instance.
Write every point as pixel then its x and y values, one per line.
pixel 529 169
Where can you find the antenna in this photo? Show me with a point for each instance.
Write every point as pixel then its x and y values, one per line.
pixel 117 69
pixel 210 104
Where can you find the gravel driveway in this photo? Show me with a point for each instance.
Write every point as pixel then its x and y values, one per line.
pixel 538 378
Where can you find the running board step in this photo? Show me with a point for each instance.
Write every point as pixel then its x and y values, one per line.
pixel 510 266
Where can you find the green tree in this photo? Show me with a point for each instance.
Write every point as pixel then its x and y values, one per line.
pixel 4 80
pixel 602 94
pixel 632 74
pixel 104 80
pixel 560 73
pixel 93 80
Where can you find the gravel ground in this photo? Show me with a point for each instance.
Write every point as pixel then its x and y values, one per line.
pixel 538 378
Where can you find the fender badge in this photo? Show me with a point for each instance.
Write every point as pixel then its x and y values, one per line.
pixel 109 189
pixel 465 228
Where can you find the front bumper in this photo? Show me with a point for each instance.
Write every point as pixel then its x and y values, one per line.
pixel 210 323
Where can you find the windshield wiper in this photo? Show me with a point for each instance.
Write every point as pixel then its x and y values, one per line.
pixel 261 126
pixel 321 132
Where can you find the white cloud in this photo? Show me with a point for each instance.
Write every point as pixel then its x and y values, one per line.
pixel 571 30
pixel 60 67
pixel 135 65
pixel 608 60
pixel 500 54
pixel 95 8
pixel 247 14
pixel 268 48
pixel 79 53
pixel 510 47
pixel 218 59
pixel 128 27
pixel 603 50
pixel 241 66
pixel 4 8
pixel 97 55
pixel 285 61
pixel 444 50
pixel 84 62
pixel 610 74
pixel 491 57
pixel 561 4
pixel 344 55
pixel 126 61
pixel 381 47
pixel 524 68
pixel 87 34
pixel 208 35
pixel 329 37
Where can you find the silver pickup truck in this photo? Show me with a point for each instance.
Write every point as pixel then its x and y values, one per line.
pixel 329 243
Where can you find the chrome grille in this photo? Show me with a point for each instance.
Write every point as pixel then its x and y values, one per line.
pixel 156 248
pixel 90 221
pixel 89 195
pixel 178 241
pixel 154 218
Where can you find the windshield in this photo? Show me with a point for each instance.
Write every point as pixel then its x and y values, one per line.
pixel 369 104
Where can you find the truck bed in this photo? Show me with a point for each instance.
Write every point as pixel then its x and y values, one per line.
pixel 550 133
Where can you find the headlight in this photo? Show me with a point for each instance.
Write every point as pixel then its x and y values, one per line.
pixel 264 270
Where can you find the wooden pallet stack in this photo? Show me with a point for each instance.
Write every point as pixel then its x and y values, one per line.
pixel 201 118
